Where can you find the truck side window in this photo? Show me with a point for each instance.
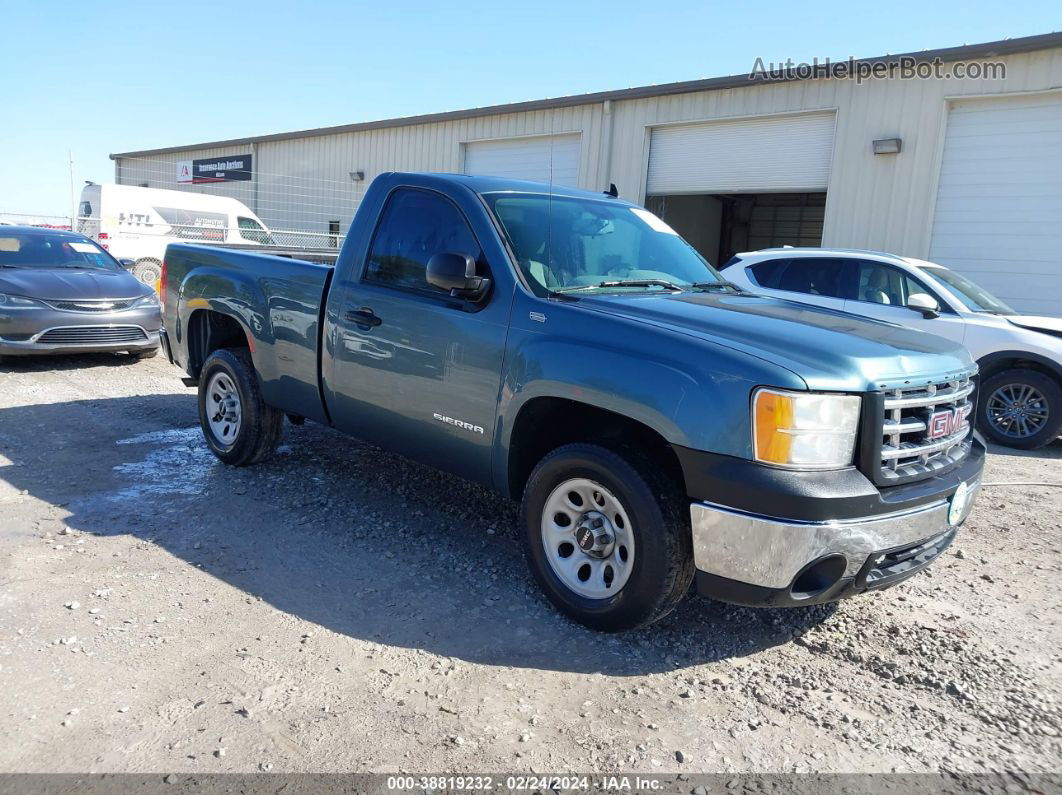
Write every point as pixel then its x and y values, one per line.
pixel 251 230
pixel 414 226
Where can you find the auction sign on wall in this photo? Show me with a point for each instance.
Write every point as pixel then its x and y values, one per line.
pixel 234 168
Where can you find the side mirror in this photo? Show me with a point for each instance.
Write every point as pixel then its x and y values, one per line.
pixel 456 273
pixel 924 303
pixel 126 263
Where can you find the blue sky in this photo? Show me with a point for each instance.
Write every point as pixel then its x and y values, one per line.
pixel 102 77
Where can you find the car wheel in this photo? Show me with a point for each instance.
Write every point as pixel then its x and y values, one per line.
pixel 1020 408
pixel 239 428
pixel 607 537
pixel 149 271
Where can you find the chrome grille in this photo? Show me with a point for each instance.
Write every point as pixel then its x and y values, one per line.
pixel 92 335
pixel 926 428
pixel 91 305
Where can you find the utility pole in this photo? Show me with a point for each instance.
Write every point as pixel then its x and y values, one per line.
pixel 73 201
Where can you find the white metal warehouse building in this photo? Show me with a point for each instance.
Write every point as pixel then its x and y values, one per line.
pixel 733 163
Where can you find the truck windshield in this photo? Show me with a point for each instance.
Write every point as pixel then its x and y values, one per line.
pixel 565 243
pixel 52 250
pixel 977 299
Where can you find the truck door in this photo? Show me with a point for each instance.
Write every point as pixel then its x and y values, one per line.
pixel 415 370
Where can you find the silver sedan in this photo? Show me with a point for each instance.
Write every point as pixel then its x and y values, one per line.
pixel 61 292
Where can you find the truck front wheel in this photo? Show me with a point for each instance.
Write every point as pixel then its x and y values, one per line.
pixel 607 537
pixel 239 428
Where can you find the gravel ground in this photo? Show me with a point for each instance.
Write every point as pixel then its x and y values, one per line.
pixel 342 609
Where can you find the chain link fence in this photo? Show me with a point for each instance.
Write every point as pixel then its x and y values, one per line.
pixel 43 221
pixel 248 209
pixel 308 209
pixel 147 239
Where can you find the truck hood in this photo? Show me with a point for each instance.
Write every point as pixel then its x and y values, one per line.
pixel 828 349
pixel 65 284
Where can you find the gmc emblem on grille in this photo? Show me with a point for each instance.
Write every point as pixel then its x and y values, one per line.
pixel 948 421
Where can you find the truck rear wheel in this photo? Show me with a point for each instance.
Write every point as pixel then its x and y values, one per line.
pixel 607 537
pixel 239 428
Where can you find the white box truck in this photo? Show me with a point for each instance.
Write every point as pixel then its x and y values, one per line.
pixel 138 223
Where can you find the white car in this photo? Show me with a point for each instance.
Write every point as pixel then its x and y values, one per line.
pixel 1020 356
pixel 138 223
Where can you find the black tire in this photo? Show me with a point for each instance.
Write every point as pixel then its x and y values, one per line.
pixel 998 429
pixel 151 353
pixel 663 563
pixel 260 425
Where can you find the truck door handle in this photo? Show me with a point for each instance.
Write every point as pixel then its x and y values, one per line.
pixel 363 317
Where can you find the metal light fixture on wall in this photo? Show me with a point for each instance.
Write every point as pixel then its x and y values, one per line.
pixel 887 146
pixel 357 176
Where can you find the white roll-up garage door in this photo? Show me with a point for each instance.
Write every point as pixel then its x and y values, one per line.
pixel 998 217
pixel 541 158
pixel 780 153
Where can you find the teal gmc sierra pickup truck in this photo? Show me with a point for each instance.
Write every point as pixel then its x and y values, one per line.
pixel 568 348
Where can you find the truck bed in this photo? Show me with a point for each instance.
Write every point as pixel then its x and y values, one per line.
pixel 278 299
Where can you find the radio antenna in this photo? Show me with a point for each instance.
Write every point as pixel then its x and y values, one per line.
pixel 549 221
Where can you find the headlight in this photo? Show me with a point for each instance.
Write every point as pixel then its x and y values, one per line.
pixel 146 300
pixel 802 430
pixel 17 302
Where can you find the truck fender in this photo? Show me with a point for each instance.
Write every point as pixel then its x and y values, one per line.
pixel 242 296
pixel 558 369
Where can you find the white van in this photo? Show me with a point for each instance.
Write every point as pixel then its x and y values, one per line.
pixel 138 223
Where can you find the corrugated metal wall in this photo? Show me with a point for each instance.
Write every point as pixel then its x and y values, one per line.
pixel 160 171
pixel 873 201
pixel 303 183
pixel 883 201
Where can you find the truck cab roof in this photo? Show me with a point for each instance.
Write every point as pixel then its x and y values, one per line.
pixel 487 184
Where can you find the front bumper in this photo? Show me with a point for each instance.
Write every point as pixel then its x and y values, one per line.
pixel 28 332
pixel 34 347
pixel 749 558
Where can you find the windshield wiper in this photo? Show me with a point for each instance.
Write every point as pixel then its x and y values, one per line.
pixel 623 283
pixel 717 286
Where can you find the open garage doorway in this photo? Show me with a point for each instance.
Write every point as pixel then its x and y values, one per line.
pixel 741 184
pixel 719 225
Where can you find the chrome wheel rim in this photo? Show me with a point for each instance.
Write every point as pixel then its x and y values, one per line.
pixel 148 272
pixel 587 537
pixel 223 409
pixel 1018 411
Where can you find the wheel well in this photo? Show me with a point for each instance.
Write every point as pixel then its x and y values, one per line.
pixel 209 331
pixel 998 365
pixel 544 424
